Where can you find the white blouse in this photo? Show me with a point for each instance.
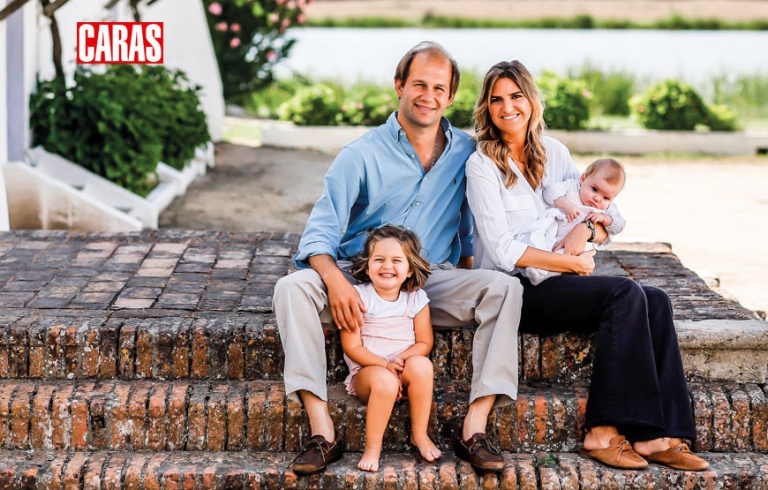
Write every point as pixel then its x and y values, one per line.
pixel 500 213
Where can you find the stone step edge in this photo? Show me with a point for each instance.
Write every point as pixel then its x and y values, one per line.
pixel 184 416
pixel 155 471
pixel 91 347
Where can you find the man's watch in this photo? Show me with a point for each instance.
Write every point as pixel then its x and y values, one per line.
pixel 591 227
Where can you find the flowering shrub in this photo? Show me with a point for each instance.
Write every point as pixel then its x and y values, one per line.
pixel 249 39
pixel 566 102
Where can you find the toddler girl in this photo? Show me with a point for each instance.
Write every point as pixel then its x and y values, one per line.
pixel 389 353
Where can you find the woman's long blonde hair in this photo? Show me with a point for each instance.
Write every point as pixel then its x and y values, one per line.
pixel 489 136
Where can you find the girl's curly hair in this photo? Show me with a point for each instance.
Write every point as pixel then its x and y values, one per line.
pixel 411 246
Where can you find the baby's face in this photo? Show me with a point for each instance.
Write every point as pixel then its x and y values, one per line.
pixel 597 192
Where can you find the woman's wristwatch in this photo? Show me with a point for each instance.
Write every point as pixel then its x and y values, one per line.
pixel 591 227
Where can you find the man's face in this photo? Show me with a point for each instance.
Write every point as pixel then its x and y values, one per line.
pixel 424 96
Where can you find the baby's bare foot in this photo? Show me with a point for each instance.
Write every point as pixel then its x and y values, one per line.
pixel 370 460
pixel 426 447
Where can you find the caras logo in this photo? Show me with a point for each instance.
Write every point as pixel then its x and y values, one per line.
pixel 120 42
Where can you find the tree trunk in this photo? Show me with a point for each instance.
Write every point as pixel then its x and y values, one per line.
pixel 49 10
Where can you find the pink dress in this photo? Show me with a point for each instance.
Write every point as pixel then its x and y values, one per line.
pixel 387 337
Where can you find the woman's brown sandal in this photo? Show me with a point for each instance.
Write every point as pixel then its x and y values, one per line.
pixel 680 458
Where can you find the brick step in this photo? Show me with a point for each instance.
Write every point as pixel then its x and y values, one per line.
pixel 48 470
pixel 98 345
pixel 230 347
pixel 255 415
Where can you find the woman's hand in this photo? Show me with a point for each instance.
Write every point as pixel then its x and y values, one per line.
pixel 584 264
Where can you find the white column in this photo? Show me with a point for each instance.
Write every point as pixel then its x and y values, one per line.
pixel 16 99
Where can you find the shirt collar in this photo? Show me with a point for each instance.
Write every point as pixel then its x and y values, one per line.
pixel 397 132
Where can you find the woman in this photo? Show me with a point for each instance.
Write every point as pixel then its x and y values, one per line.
pixel 638 391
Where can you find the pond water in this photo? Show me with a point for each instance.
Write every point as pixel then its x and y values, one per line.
pixel 351 55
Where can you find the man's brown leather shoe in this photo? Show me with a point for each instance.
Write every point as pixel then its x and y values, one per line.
pixel 479 452
pixel 317 454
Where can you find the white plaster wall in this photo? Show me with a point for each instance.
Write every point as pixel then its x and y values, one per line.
pixel 30 62
pixel 188 47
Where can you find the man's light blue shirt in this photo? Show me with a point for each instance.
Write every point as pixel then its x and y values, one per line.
pixel 377 180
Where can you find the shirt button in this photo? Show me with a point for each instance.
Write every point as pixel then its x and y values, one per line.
pixel 413 156
pixel 408 228
pixel 418 204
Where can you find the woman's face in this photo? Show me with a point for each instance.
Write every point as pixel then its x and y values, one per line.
pixel 510 109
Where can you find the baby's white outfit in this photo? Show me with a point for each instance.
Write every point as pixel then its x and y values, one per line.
pixel 387 326
pixel 553 225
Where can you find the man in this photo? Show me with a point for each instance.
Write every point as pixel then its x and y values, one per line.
pixel 408 172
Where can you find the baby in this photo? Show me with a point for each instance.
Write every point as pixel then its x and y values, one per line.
pixel 588 199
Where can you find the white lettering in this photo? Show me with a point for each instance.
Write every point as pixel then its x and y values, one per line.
pixel 85 52
pixel 119 46
pixel 103 53
pixel 155 50
pixel 136 53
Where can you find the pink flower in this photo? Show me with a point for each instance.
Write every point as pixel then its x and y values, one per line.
pixel 215 8
pixel 221 26
pixel 235 27
pixel 271 56
pixel 273 18
pixel 641 108
pixel 286 22
pixel 235 42
pixel 300 19
pixel 279 2
pixel 291 4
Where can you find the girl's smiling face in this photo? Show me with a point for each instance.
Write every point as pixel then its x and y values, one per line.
pixel 388 268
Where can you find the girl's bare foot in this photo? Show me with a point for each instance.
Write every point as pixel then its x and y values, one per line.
pixel 426 447
pixel 370 460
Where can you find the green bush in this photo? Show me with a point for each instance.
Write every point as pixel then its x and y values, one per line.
pixel 721 118
pixel 367 105
pixel 173 109
pixel 566 102
pixel 121 123
pixel 610 91
pixel 671 105
pixel 462 112
pixel 318 105
pixel 265 103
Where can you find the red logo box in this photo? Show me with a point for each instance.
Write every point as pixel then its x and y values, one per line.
pixel 120 43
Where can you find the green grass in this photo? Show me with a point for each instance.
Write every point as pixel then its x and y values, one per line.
pixel 674 22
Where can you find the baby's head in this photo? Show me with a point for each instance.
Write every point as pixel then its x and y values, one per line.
pixel 601 182
pixel 393 252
